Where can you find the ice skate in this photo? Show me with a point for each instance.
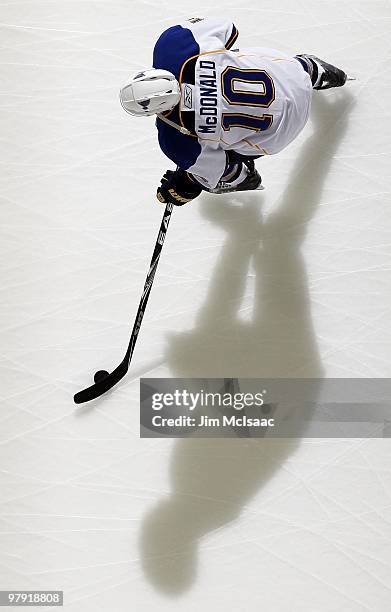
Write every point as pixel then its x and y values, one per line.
pixel 324 75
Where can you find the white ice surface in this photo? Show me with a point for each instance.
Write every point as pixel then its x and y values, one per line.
pixel 294 281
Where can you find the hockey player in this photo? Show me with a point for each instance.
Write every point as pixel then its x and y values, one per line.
pixel 220 108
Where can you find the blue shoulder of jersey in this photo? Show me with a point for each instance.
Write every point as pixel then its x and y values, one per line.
pixel 173 48
pixel 171 51
pixel 183 150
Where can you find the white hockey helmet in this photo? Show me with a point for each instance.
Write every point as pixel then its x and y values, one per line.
pixel 150 92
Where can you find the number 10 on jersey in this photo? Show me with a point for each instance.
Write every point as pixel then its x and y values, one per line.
pixel 261 96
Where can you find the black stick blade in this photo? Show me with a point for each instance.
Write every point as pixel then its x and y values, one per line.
pixel 103 385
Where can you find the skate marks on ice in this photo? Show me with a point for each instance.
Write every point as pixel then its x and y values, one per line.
pixel 213 480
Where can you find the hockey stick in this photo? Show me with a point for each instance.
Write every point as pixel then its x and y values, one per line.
pixel 103 380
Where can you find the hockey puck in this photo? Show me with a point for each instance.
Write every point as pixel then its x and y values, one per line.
pixel 100 375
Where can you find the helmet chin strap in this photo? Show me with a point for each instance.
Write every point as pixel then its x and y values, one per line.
pixel 181 129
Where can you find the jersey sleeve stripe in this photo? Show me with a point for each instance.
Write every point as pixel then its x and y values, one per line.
pixel 232 38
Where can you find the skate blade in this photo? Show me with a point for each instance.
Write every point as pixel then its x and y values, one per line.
pixel 351 78
pixel 233 190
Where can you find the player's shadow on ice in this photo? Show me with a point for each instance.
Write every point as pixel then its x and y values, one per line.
pixel 213 479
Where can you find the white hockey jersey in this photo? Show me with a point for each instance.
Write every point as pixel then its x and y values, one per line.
pixel 253 101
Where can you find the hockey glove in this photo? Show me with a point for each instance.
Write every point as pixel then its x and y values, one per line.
pixel 178 188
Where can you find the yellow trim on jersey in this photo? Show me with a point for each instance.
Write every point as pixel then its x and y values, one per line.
pixel 272 59
pixel 252 144
pixel 284 59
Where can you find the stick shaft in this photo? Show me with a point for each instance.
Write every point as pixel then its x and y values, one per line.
pixel 149 281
